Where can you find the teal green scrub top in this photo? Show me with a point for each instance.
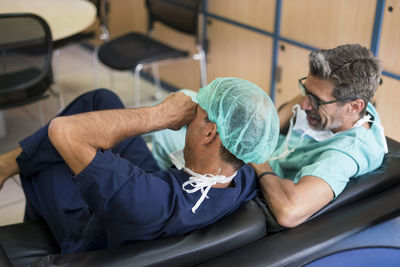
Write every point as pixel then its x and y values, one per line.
pixel 346 155
pixel 165 142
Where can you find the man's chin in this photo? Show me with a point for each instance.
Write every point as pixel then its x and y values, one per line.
pixel 186 154
pixel 313 122
pixel 315 127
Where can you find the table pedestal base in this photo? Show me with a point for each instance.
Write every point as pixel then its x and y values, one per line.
pixel 3 130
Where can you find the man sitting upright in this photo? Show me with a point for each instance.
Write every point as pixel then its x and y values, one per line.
pixel 336 134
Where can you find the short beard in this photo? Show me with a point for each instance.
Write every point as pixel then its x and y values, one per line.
pixel 187 151
pixel 335 125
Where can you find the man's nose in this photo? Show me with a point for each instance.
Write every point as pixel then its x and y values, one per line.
pixel 305 103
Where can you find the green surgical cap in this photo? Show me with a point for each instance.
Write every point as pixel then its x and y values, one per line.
pixel 246 118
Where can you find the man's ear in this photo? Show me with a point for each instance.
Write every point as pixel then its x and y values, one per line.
pixel 210 132
pixel 356 106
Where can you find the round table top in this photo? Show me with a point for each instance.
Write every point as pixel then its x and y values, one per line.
pixel 65 17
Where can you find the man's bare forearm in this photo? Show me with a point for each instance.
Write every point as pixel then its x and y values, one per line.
pixel 78 137
pixel 279 193
pixel 293 203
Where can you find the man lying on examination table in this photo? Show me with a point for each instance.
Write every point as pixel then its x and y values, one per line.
pixel 91 177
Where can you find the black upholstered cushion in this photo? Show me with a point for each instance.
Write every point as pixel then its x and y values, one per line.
pixel 4 261
pixel 289 247
pixel 383 178
pixel 25 242
pixel 244 226
pixel 366 201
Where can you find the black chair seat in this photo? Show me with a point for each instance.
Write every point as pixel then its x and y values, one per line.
pixel 129 50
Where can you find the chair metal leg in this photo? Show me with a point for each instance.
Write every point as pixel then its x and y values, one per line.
pixel 136 99
pixel 55 90
pixel 203 68
pixel 56 54
pixel 156 77
pixel 201 56
pixel 96 67
pixel 112 79
pixel 40 111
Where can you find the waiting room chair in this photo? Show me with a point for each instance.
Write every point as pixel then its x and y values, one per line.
pixel 138 51
pixel 25 61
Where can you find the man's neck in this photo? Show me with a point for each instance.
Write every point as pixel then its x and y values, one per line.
pixel 350 124
pixel 214 166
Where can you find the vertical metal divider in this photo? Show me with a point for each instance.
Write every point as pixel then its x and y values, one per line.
pixel 376 34
pixel 205 13
pixel 276 36
pixel 205 41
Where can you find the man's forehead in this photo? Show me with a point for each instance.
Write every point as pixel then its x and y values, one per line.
pixel 318 86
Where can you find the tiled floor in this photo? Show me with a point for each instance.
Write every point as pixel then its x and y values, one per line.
pixel 74 71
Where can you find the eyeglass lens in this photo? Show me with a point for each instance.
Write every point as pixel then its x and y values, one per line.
pixel 311 98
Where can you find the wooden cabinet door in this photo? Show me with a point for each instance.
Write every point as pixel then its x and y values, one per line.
pixel 238 52
pixel 328 23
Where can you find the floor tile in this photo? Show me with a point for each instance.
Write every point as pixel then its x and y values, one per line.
pixel 10 193
pixel 13 213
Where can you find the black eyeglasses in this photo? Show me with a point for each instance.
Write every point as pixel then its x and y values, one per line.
pixel 314 100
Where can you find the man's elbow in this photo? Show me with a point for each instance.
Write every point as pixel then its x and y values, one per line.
pixel 57 131
pixel 290 217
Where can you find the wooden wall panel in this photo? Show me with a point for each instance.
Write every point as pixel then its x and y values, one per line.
pixel 387 99
pixel 389 49
pixel 256 13
pixel 183 73
pixel 328 23
pixel 292 65
pixel 237 52
pixel 126 16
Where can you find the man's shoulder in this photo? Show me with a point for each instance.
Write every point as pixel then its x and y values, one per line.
pixel 171 173
pixel 247 172
pixel 361 146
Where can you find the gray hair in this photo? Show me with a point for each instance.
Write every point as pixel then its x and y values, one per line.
pixel 352 68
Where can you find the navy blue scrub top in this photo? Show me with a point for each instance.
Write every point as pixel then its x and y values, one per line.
pixel 136 205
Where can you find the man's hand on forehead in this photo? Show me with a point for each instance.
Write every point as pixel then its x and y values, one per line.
pixel 178 110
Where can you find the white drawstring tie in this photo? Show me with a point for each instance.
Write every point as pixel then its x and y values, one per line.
pixel 203 182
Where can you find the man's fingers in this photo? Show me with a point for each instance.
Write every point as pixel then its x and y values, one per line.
pixel 179 110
